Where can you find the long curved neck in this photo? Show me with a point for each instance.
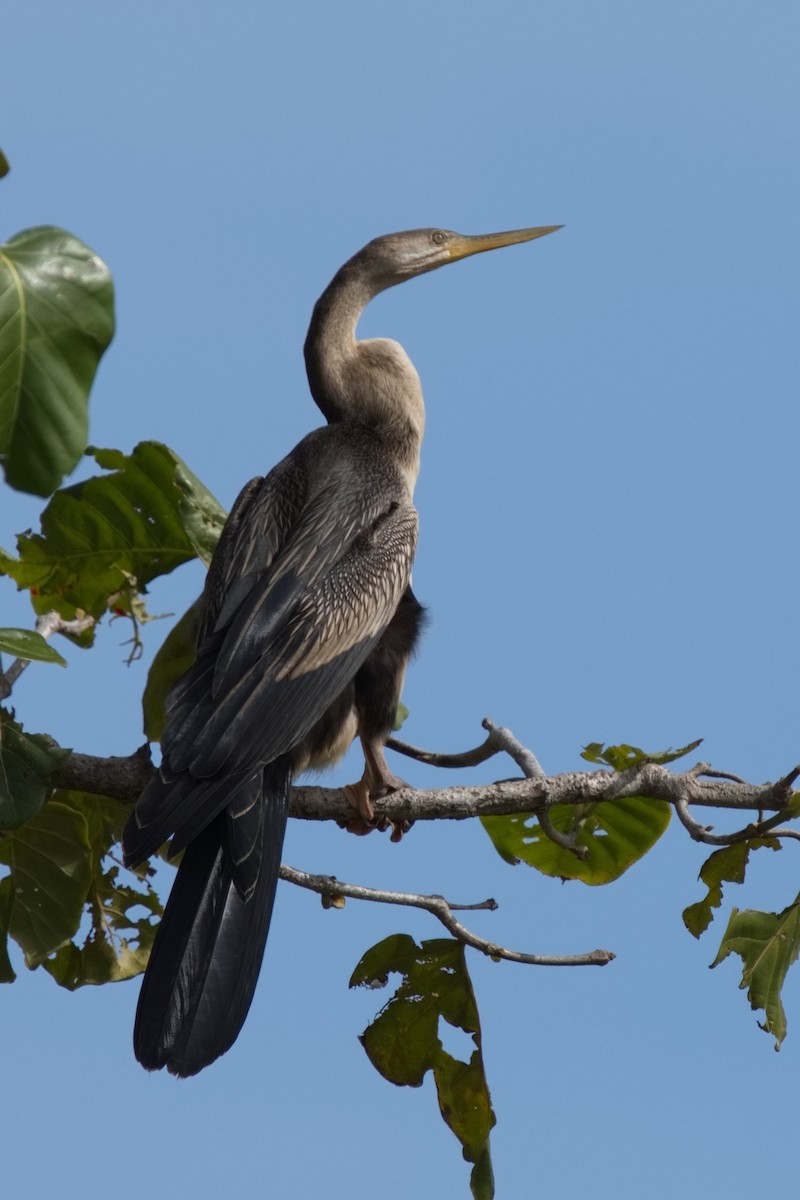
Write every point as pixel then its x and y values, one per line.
pixel 370 383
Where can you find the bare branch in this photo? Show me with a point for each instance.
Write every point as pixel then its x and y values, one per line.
pixel 469 758
pixel 500 740
pixel 504 739
pixel 702 833
pixel 332 890
pixel 785 833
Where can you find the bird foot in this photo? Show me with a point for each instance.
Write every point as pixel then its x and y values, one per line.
pixel 359 796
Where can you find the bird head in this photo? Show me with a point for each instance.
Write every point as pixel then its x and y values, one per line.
pixel 390 259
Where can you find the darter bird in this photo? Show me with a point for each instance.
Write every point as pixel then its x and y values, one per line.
pixel 308 622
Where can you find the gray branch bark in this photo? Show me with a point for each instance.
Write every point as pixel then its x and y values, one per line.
pixel 125 778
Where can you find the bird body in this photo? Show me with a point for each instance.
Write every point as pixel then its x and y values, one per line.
pixel 308 621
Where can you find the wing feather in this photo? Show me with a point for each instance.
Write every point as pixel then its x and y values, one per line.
pixel 309 571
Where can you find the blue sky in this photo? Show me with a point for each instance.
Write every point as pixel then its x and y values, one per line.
pixel 608 551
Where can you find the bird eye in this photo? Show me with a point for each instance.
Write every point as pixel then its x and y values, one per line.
pixel 439 237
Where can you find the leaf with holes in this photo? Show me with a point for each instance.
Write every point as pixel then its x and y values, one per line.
pixel 403 1042
pixel 614 833
pixel 56 319
pixel 767 944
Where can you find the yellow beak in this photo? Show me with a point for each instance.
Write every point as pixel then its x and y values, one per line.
pixel 462 245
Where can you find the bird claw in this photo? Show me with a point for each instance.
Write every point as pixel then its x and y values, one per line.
pixel 359 796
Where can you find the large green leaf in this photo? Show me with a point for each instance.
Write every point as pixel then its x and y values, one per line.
pixel 105 539
pixel 56 319
pixel 403 1042
pixel 767 944
pixel 727 865
pixel 614 833
pixel 27 763
pixel 26 643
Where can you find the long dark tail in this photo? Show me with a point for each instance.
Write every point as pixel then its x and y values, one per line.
pixel 207 954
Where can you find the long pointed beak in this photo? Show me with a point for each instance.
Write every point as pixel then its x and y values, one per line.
pixel 462 245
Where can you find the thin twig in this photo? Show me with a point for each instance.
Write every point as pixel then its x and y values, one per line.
pixel 469 758
pixel 785 833
pixel 332 889
pixel 710 773
pixel 504 739
pixel 702 833
pixel 756 829
pixel 529 764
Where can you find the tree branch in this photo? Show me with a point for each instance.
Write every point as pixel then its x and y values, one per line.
pixel 332 891
pixel 125 777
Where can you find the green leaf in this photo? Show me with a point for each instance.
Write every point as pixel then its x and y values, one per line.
pixel 7 973
pixel 118 944
pixel 723 866
pixel 402 1043
pixel 27 763
pixel 4 165
pixel 173 659
pixel 201 514
pixel 615 834
pixel 620 758
pixel 767 944
pixel 61 872
pixel 124 917
pixel 400 717
pixel 109 536
pixel 56 319
pixel 25 643
pixel 50 874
